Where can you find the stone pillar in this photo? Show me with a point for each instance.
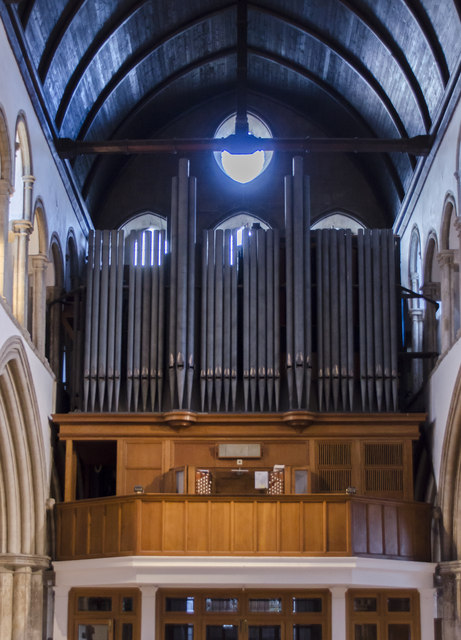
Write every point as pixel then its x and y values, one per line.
pixel 446 261
pixel 21 596
pixel 21 230
pixel 39 264
pixel 338 613
pixel 6 603
pixel 430 339
pixel 148 612
pixel 416 316
pixel 5 194
pixel 21 603
pixel 448 577
pixel 28 182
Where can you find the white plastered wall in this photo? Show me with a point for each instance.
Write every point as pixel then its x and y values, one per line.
pixel 60 218
pixel 427 213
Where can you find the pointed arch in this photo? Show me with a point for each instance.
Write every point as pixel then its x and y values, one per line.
pixel 37 267
pixel 23 476
pixel 450 478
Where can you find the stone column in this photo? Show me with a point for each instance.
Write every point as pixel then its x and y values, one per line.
pixel 338 613
pixel 148 612
pixel 21 603
pixel 21 596
pixel 39 264
pixel 450 599
pixel 416 316
pixel 5 194
pixel 6 603
pixel 446 261
pixel 21 230
pixel 28 182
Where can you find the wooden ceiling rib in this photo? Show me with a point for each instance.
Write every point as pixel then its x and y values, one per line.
pixel 380 68
pixel 109 30
pixel 431 38
pixel 356 64
pixel 59 29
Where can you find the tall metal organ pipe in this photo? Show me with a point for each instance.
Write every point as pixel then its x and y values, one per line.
pixel 181 356
pixel 298 287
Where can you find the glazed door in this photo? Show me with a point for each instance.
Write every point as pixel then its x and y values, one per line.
pixel 244 615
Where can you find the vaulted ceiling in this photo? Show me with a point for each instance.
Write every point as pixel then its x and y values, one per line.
pixel 120 69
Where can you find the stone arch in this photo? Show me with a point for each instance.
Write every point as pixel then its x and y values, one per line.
pixel 21 200
pixel 54 290
pixel 432 291
pixel 450 478
pixel 23 477
pixel 37 267
pixel 449 262
pixel 20 219
pixel 72 266
pixel 415 307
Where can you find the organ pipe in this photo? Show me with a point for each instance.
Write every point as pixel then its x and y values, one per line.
pixel 298 291
pixel 135 309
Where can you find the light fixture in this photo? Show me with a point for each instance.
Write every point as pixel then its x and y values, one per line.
pixel 138 489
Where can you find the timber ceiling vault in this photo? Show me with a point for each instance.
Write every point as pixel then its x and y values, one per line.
pixel 110 70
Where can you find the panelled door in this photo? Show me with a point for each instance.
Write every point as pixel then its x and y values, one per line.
pixel 98 614
pixel 244 615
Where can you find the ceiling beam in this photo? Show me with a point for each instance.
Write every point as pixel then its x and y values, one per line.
pixel 418 146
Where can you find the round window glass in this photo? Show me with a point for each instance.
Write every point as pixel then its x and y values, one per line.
pixel 243 167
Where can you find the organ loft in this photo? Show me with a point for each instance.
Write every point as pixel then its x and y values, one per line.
pixel 230 320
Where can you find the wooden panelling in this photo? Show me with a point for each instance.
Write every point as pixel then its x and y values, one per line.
pixel 244 524
pixel 266 533
pixel 282 525
pixel 198 513
pixel 174 521
pixel 143 455
pixel 220 526
pixel 337 526
pixel 391 538
pixel 314 541
pixel 151 526
pixel 291 516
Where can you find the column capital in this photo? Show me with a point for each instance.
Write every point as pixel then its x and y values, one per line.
pixel 39 261
pixel 22 227
pixel 431 290
pixel 28 179
pixel 446 257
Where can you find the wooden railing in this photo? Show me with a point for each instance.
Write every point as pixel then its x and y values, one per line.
pixel 314 525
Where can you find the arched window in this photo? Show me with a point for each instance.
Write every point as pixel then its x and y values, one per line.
pixel 338 220
pixel 136 227
pixel 240 221
pixel 245 167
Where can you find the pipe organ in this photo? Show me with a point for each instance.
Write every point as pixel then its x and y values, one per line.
pixel 288 319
